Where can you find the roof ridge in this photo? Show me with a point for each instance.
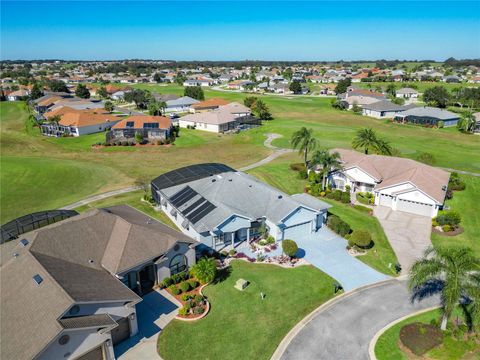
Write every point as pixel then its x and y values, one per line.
pixel 124 238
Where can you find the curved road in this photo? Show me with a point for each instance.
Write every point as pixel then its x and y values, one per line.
pixel 344 328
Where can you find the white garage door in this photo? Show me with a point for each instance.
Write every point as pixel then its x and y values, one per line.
pixel 385 200
pixel 414 207
pixel 297 231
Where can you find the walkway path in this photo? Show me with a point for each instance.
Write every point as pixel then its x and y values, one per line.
pixel 100 197
pixel 277 152
pixel 344 327
pixel 462 172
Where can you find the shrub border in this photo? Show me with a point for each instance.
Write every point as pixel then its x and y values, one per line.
pixel 207 310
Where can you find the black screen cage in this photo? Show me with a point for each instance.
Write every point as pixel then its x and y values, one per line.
pixel 24 224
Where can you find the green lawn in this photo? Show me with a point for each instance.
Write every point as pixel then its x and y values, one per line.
pixel 421 86
pixel 134 200
pixel 466 203
pixel 387 348
pixel 278 174
pixel 241 325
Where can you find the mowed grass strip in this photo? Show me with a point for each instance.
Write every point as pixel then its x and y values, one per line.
pixel 240 324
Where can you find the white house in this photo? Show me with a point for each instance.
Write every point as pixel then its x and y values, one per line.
pixel 401 184
pixel 18 95
pixel 180 105
pixel 406 93
pixel 383 109
pixel 222 207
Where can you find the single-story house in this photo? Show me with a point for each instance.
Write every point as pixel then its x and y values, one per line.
pixel 213 121
pixel 69 289
pixel 399 183
pixel 78 122
pixel 360 97
pixel 222 207
pixel 152 128
pixel 18 95
pixel 181 104
pixel 198 82
pixel 406 93
pixel 237 109
pixel 383 109
pixel 207 105
pixel 426 115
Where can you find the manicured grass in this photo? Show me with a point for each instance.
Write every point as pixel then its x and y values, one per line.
pixel 134 200
pixel 466 203
pixel 278 174
pixel 240 324
pixel 451 349
pixel 420 86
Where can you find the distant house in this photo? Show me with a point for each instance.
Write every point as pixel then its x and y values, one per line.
pixel 360 97
pixel 18 95
pixel 151 128
pixel 429 116
pixel 406 93
pixel 198 82
pixel 240 84
pixel 383 109
pixel 181 104
pixel 398 183
pixel 207 105
pixel 452 79
pixel 118 95
pixel 78 122
pixel 70 289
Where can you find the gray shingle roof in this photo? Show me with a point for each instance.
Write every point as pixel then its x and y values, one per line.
pixel 427 111
pixel 386 105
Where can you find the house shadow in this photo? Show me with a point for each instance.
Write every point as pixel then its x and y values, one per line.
pixel 300 253
pixel 149 311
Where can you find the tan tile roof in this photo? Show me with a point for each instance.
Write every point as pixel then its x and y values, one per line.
pixel 390 170
pixel 81 118
pixel 209 104
pixel 49 100
pixel 139 120
pixel 216 117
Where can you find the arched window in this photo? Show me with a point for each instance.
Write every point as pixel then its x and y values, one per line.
pixel 178 264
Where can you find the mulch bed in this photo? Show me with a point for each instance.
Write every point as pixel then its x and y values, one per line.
pixel 193 292
pixel 420 338
pixel 455 232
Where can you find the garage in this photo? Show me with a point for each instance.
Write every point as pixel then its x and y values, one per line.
pixel 385 200
pixel 414 207
pixel 297 231
pixel 121 332
pixel 95 354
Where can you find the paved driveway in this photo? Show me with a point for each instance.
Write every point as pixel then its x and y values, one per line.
pixel 153 313
pixel 327 251
pixel 408 234
pixel 344 329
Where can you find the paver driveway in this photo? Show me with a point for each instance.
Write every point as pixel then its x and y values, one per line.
pixel 327 251
pixel 408 234
pixel 344 329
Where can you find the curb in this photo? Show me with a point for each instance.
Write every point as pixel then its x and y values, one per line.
pixel 279 351
pixel 373 342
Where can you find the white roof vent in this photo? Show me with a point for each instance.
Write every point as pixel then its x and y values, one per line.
pixel 38 279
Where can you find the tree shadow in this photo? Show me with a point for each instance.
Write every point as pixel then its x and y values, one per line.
pixel 300 253
pixel 222 275
pixel 429 288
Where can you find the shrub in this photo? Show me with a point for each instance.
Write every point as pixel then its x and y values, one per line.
pixel 198 298
pixel 456 183
pixel 186 297
pixel 185 275
pixel 345 198
pixel 441 124
pixel 360 238
pixel 174 290
pixel 167 282
pixel 224 253
pixel 338 225
pixel 262 242
pixel 176 278
pixel 434 222
pixel 205 270
pixel 302 174
pixel 451 218
pixel 185 286
pixel 193 283
pixel 322 193
pixel 198 310
pixel 183 311
pixel 446 228
pixel 289 247
pixel 270 239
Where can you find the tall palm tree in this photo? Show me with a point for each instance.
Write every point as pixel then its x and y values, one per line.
pixel 303 140
pixel 55 119
pixel 163 106
pixel 368 140
pixel 468 122
pixel 454 273
pixel 328 162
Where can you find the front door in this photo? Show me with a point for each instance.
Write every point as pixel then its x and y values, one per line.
pixel 147 279
pixel 121 332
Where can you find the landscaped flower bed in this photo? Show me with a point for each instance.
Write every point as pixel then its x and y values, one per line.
pixel 187 290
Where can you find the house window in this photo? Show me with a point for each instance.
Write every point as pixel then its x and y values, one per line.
pixel 129 124
pixel 178 264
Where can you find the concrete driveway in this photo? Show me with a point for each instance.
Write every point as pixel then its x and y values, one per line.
pixel 327 251
pixel 408 234
pixel 156 310
pixel 344 329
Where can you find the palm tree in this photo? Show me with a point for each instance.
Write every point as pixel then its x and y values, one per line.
pixel 468 122
pixel 328 162
pixel 454 273
pixel 303 140
pixel 55 119
pixel 163 106
pixel 368 140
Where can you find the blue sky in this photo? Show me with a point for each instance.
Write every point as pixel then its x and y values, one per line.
pixel 236 30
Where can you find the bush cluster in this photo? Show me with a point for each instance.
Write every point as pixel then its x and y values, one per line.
pixel 289 247
pixel 456 183
pixel 297 167
pixel 193 283
pixel 174 290
pixel 360 238
pixel 339 195
pixel 451 218
pixel 185 286
pixel 338 225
